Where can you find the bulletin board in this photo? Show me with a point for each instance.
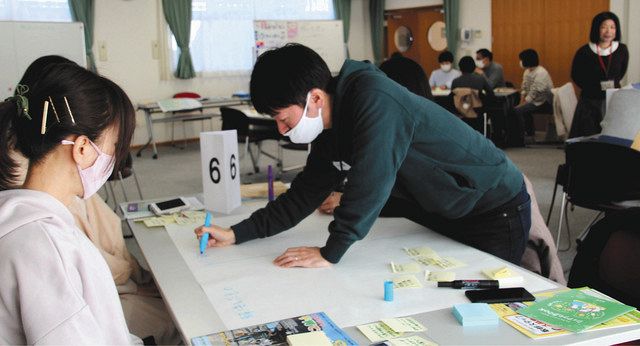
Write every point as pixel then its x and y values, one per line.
pixel 323 36
pixel 23 42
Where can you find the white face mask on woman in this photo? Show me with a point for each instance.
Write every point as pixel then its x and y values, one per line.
pixel 445 67
pixel 307 129
pixel 94 176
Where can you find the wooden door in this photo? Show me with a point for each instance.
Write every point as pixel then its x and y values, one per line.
pixel 567 28
pixel 516 25
pixel 418 20
pixel 555 29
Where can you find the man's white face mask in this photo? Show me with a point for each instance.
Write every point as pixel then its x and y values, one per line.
pixel 307 129
pixel 445 67
pixel 480 63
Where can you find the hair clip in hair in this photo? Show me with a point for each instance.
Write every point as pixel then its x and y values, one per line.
pixel 22 101
pixel 45 110
pixel 55 112
pixel 69 109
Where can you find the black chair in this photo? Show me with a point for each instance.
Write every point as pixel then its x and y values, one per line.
pixel 125 171
pixel 250 130
pixel 599 174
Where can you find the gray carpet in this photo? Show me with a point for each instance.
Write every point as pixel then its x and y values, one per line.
pixel 178 172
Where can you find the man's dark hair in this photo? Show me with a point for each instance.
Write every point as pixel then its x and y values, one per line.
pixel 594 36
pixel 485 53
pixel 467 64
pixel 529 58
pixel 283 76
pixel 445 56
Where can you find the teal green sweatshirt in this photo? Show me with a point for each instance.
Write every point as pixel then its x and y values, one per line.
pixel 387 141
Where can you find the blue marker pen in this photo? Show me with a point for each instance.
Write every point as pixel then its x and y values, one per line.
pixel 205 237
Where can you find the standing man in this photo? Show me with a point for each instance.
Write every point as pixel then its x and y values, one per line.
pixel 491 70
pixel 393 147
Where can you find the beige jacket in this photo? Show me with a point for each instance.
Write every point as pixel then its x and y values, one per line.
pixel 466 100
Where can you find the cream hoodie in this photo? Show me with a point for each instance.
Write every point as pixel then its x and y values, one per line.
pixel 55 287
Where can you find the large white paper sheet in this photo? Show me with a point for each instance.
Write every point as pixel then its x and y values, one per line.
pixel 245 288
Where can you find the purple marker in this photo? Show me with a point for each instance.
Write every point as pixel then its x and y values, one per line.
pixel 270 183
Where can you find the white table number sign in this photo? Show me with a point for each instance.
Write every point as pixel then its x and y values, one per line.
pixel 220 170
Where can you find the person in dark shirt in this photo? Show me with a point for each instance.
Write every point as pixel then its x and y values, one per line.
pixel 407 73
pixel 489 69
pixel 597 66
pixel 472 80
pixel 392 146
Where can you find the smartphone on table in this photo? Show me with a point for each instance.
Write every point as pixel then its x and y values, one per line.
pixel 500 295
pixel 169 207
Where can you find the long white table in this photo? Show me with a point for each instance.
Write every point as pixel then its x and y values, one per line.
pixel 238 286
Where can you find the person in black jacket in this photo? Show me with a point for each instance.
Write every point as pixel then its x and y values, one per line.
pixel 597 66
pixel 407 73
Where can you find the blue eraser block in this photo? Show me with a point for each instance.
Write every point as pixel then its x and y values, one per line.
pixel 475 314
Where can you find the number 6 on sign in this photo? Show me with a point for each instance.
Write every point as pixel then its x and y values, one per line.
pixel 220 178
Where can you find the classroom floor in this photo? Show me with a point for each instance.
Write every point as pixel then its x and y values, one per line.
pixel 178 172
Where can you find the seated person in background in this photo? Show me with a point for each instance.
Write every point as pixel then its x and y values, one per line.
pixel 468 79
pixel 442 77
pixel 489 69
pixel 407 73
pixel 56 287
pixel 536 90
pixel 144 310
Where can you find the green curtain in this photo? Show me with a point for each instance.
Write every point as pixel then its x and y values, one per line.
pixel 342 8
pixel 376 12
pixel 83 11
pixel 177 13
pixel 451 11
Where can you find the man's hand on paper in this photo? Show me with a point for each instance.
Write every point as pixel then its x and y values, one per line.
pixel 306 257
pixel 218 237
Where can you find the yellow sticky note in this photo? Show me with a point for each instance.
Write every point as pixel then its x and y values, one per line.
pixel 449 263
pixel 312 338
pixel 439 276
pixel 154 222
pixel 412 267
pixel 413 340
pixel 378 331
pixel 421 252
pixel 404 324
pixel 406 281
pixel 427 260
pixel 503 272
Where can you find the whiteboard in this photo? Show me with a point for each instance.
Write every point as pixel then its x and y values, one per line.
pixel 323 36
pixel 23 42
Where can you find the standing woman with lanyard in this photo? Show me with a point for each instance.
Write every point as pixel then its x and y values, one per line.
pixel 597 66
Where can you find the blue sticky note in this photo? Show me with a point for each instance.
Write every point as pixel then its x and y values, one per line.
pixel 475 314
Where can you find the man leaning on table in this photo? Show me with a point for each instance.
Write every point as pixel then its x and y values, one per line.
pixel 396 149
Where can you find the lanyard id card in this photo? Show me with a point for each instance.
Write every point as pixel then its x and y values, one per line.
pixel 607 84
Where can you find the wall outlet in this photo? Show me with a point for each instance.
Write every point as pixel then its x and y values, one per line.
pixel 155 50
pixel 477 34
pixel 102 50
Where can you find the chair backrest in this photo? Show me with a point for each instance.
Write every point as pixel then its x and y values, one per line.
pixel 125 169
pixel 623 115
pixel 233 119
pixel 567 100
pixel 466 101
pixel 598 173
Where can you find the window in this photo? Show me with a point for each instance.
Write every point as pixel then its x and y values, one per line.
pixel 35 10
pixel 222 35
